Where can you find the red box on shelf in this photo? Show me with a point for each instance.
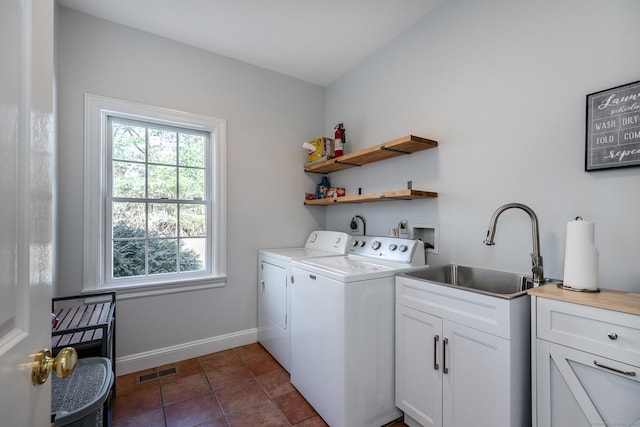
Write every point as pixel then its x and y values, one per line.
pixel 336 192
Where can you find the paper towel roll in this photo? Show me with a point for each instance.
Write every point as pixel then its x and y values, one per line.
pixel 581 256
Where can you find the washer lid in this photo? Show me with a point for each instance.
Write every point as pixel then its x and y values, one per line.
pixel 347 266
pixel 288 254
pixel 319 243
pixel 351 268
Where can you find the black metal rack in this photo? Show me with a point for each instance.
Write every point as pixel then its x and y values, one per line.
pixel 87 323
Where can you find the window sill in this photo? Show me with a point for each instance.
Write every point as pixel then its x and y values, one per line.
pixel 137 290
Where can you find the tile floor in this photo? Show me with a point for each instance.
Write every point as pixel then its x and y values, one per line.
pixel 243 387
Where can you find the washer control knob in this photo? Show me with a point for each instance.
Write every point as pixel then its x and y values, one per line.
pixel 393 247
pixel 313 237
pixel 376 245
pixel 362 243
pixel 403 248
pixel 354 242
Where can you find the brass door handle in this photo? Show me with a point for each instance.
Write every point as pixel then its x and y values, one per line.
pixel 63 364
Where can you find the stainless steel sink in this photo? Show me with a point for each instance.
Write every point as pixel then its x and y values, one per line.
pixel 496 283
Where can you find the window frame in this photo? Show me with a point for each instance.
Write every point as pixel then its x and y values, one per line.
pixel 96 179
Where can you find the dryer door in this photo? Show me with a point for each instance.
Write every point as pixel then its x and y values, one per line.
pixel 273 311
pixel 273 283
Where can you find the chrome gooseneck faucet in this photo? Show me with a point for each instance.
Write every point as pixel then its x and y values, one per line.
pixel 536 258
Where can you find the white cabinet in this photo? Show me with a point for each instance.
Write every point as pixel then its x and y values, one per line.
pixel 462 358
pixel 419 387
pixel 587 363
pixel 476 389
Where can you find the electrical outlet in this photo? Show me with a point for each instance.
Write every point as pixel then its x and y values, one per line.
pixel 404 227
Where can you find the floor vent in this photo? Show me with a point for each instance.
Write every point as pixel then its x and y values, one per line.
pixel 144 378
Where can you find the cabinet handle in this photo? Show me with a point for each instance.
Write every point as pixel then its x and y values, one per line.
pixel 627 373
pixel 436 338
pixel 612 335
pixel 262 282
pixel 445 370
pixel 312 276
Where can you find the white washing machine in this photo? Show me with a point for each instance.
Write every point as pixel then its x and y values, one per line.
pixel 274 297
pixel 342 330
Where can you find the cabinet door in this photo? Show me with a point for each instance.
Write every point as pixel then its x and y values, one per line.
pixel 419 365
pixel 476 387
pixel 577 388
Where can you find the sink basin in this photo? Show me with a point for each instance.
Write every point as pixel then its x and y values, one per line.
pixel 496 283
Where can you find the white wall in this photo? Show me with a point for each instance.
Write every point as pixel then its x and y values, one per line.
pixel 501 85
pixel 268 116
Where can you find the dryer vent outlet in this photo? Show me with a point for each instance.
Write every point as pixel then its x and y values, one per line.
pixel 428 234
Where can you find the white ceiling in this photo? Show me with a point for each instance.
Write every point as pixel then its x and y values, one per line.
pixel 314 40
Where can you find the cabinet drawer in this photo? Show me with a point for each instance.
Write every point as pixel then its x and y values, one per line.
pixel 605 332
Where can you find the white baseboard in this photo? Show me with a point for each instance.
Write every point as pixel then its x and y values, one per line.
pixel 164 356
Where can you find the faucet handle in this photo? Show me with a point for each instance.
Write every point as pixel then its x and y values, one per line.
pixel 536 261
pixel 536 269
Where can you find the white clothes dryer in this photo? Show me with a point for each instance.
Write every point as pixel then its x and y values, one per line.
pixel 274 296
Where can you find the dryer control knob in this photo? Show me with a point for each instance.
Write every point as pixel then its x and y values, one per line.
pixel 354 242
pixel 403 248
pixel 376 245
pixel 363 243
pixel 393 247
pixel 313 237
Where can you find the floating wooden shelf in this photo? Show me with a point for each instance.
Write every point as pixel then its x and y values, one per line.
pixel 405 145
pixel 374 197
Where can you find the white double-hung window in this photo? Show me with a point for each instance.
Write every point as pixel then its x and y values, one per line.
pixel 154 198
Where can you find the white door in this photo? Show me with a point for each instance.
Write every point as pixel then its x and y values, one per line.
pixel 273 310
pixel 476 385
pixel 274 294
pixel 582 389
pixel 419 365
pixel 26 192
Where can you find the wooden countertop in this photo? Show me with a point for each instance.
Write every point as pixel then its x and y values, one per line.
pixel 626 302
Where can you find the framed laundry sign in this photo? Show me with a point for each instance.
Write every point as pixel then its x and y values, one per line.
pixel 613 128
